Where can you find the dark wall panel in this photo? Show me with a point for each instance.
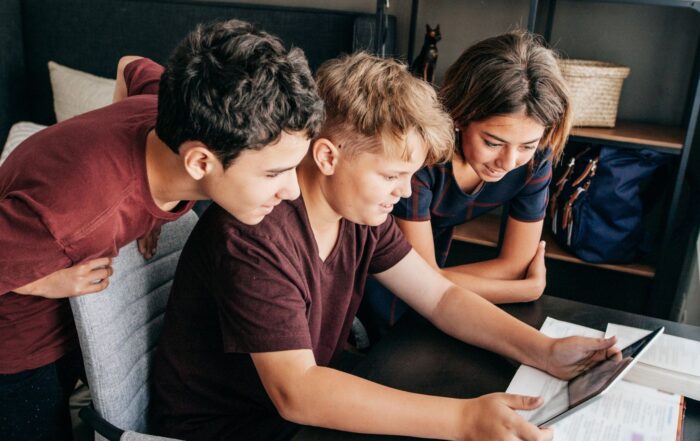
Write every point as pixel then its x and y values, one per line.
pixel 91 35
pixel 12 104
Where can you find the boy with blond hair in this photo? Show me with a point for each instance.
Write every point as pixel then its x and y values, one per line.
pixel 258 314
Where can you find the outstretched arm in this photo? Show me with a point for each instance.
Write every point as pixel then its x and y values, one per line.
pixel 470 318
pixel 308 394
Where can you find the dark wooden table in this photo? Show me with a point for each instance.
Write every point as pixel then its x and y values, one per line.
pixel 417 357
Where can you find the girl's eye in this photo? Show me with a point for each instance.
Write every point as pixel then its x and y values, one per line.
pixel 530 146
pixel 391 178
pixel 491 144
pixel 272 175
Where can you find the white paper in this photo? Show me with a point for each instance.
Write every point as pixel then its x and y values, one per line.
pixel 669 352
pixel 628 412
pixel 533 382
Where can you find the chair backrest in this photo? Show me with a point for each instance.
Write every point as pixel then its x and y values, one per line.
pixel 119 327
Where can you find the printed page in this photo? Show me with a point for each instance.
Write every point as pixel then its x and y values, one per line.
pixel 531 381
pixel 669 352
pixel 628 412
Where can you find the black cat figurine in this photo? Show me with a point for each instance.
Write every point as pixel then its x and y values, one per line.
pixel 424 64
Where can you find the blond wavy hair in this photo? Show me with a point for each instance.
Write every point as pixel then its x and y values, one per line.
pixel 372 104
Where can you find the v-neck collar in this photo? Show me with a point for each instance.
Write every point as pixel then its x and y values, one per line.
pixel 336 247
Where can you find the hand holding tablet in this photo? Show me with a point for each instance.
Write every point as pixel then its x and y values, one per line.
pixel 593 383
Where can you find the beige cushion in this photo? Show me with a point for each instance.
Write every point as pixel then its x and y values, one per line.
pixel 76 92
pixel 18 133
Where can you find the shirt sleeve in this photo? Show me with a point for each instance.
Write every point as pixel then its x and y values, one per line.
pixel 259 297
pixel 530 204
pixel 28 251
pixel 417 206
pixel 392 246
pixel 142 77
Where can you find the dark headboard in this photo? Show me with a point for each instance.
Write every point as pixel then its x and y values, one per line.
pixel 91 35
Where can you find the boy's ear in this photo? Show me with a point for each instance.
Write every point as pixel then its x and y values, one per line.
pixel 326 155
pixel 198 159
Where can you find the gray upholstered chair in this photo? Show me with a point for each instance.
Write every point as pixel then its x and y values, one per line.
pixel 119 330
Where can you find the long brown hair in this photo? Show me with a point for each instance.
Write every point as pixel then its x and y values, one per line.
pixel 510 73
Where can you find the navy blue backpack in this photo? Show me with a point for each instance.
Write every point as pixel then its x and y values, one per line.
pixel 596 205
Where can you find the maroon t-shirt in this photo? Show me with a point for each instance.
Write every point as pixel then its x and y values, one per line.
pixel 242 289
pixel 75 191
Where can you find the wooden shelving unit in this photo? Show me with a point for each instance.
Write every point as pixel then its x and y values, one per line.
pixel 484 231
pixel 674 244
pixel 669 139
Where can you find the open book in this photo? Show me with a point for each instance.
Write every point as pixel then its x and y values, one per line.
pixel 629 412
pixel 672 364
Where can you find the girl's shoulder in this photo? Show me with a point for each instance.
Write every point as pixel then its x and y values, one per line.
pixel 542 156
pixel 541 162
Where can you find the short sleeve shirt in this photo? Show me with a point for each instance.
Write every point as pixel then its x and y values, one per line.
pixel 74 191
pixel 242 289
pixel 437 197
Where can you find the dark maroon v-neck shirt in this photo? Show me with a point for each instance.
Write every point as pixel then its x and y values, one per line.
pixel 243 289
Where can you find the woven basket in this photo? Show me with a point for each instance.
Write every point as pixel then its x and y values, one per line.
pixel 595 89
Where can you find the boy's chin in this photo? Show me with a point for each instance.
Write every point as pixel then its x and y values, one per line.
pixel 250 218
pixel 374 220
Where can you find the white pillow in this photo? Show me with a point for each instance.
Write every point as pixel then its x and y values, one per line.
pixel 18 133
pixel 76 92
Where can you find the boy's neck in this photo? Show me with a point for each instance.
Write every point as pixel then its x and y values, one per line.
pixel 324 220
pixel 168 180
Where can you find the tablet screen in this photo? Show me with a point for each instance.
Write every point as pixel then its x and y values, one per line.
pixel 585 387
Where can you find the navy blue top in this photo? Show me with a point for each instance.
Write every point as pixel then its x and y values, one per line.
pixel 436 197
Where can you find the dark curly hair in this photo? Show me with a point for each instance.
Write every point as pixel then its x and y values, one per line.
pixel 233 87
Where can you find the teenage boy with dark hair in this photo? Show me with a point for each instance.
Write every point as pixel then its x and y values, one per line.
pixel 228 120
pixel 256 315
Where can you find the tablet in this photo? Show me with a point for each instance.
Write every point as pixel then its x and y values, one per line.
pixel 589 386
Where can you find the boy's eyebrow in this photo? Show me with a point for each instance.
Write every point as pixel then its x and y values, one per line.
pixel 506 142
pixel 282 169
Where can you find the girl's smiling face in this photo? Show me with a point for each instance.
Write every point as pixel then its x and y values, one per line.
pixel 495 146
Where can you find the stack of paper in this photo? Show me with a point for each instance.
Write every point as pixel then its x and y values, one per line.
pixel 672 364
pixel 629 412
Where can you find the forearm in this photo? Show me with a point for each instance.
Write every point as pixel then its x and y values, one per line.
pixel 496 269
pixel 29 289
pixel 474 320
pixel 494 290
pixel 329 398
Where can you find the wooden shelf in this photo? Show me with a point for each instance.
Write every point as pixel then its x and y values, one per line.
pixel 484 231
pixel 625 132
